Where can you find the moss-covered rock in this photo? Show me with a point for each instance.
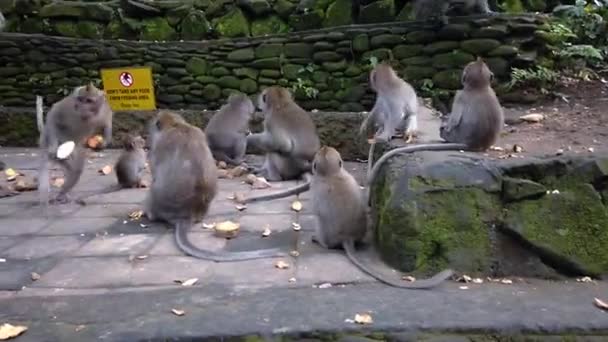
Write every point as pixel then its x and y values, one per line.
pixel 195 26
pixel 291 71
pixel 335 66
pixel 385 40
pixel 232 24
pixel 439 47
pixel 421 37
pixel 416 73
pixel 212 92
pixel 266 63
pixel 479 46
pixel 268 25
pixel 284 8
pixel 246 72
pixel 516 189
pixel 504 51
pixel 417 60
pixel 452 59
pixel 406 13
pixel 326 56
pixel 219 71
pixel 361 42
pixel 241 55
pixel 268 50
pixel 454 31
pixel 339 13
pixel 255 7
pixel 298 50
pixel 65 28
pixel 377 12
pixel 175 15
pixel 307 21
pixel 494 31
pixel 499 66
pixel 156 29
pixel 248 86
pixel 77 10
pixel 196 66
pixel 421 230
pixel 448 79
pixel 405 51
pixel 381 54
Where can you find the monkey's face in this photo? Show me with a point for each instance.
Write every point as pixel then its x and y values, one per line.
pixel 88 106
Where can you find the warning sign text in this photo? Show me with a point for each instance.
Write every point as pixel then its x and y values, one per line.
pixel 129 88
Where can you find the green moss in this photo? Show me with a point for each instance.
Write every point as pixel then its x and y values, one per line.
pixel 573 223
pixel 232 24
pixel 438 229
pixel 156 29
pixel 268 25
pixel 195 26
pixel 339 13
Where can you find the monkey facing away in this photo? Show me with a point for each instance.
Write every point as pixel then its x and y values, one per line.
pixel 289 139
pixel 396 106
pixel 228 128
pixel 474 123
pixel 341 211
pixel 477 117
pixel 74 118
pixel 184 200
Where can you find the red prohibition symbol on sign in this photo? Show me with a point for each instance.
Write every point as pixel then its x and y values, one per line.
pixel 126 79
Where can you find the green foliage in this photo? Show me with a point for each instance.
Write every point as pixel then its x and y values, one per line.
pixel 304 84
pixel 536 77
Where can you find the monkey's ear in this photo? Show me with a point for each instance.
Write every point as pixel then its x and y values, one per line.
pixel 89 87
pixel 479 59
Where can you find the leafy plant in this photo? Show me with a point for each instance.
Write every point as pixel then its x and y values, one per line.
pixel 373 61
pixel 306 86
pixel 537 77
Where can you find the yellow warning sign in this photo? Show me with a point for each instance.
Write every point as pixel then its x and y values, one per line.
pixel 129 88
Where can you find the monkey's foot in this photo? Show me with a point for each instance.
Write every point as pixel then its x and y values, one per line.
pixel 409 137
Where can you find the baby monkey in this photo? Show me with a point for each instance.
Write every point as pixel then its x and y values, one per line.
pixel 341 211
pixel 228 129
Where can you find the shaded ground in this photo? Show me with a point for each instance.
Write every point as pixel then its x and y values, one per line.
pixel 576 125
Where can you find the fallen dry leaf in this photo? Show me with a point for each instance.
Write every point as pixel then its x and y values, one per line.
pixel 294 254
pixel 325 286
pixel 227 229
pixel 10 174
pixel 141 257
pixel 58 182
pixel 296 226
pixel 260 183
pixel 23 185
pixel 64 150
pixel 266 231
pixel 506 281
pixel 282 265
pixel 408 278
pixel 136 215
pixel 189 282
pixel 585 280
pixel 464 279
pixel 222 164
pixel 8 331
pixel 532 117
pixel 106 170
pixel 296 206
pixel 35 276
pixel 464 287
pixel 240 207
pixel 517 148
pixel 600 304
pixel 591 149
pixel 292 280
pixel 250 179
pixel 209 225
pixel 559 151
pixel 364 319
pixel 238 197
pixel 478 281
pixel 178 312
pixel 496 148
pixel 79 328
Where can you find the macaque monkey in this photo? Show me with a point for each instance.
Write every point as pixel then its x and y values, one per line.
pixel 476 118
pixel 289 140
pixel 184 182
pixel 341 211
pixel 130 167
pixel 396 105
pixel 74 118
pixel 437 10
pixel 228 128
pixel 474 123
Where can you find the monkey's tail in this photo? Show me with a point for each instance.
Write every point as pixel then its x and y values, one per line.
pixel 409 149
pixel 364 124
pixel 181 239
pixel 44 187
pixel 349 247
pixel 281 194
pixel 109 189
pixel 370 159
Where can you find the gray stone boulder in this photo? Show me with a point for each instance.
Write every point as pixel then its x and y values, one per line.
pixel 537 217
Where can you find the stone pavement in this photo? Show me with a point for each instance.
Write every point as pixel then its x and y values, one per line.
pixel 104 276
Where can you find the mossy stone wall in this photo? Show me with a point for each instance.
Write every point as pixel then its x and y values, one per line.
pixel 326 69
pixel 207 19
pixel 532 217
